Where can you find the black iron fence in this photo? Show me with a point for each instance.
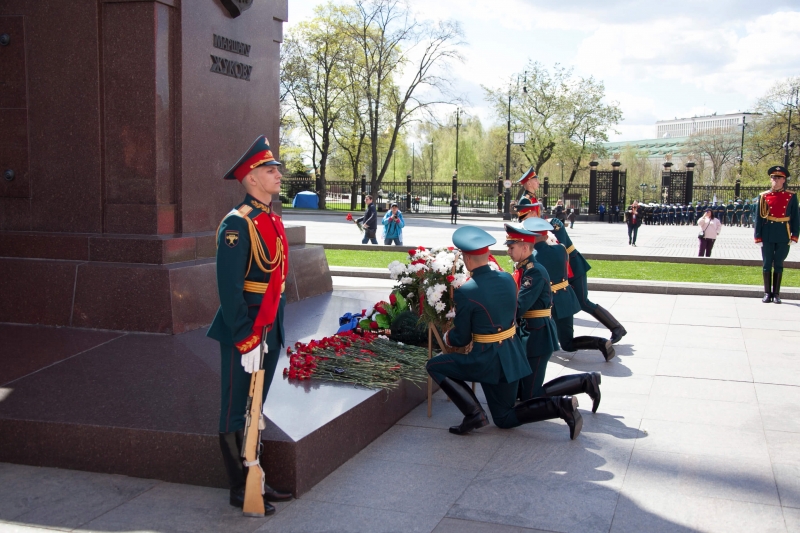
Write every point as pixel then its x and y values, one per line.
pixel 475 197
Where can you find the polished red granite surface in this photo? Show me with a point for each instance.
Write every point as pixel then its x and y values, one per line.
pixel 147 405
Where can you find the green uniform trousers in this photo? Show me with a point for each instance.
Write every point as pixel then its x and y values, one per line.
pixel 580 286
pixel 773 254
pixel 500 397
pixel 236 386
pixel 531 386
pixel 565 333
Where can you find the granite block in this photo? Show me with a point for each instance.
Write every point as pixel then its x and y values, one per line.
pixel 14 148
pixel 33 245
pixel 31 348
pixel 15 214
pixel 27 300
pixel 194 296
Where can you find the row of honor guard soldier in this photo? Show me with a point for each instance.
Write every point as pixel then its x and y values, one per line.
pixel 252 264
pixel 776 228
pixel 484 346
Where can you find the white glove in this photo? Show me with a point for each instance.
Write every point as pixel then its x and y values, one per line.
pixel 761 244
pixel 251 361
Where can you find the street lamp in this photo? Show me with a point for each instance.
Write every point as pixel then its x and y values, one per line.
pixel 643 187
pixel 653 188
pixel 458 124
pixel 743 125
pixel 788 145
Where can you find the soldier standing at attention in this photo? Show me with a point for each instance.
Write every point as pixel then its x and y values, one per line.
pixel 555 259
pixel 489 349
pixel 530 184
pixel 580 284
pixel 777 227
pixel 536 327
pixel 252 263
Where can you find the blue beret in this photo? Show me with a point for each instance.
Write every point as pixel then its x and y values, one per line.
pixel 537 224
pixel 471 239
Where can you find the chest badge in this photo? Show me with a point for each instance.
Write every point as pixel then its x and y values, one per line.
pixel 231 238
pixel 527 283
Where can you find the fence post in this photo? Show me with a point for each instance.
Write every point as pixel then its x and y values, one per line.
pixel 690 183
pixel 593 188
pixel 545 193
pixel 500 192
pixel 455 183
pixel 408 192
pixel 615 188
pixel 363 191
pixel 738 189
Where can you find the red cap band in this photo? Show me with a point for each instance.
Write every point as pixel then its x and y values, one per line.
pixel 479 251
pixel 259 159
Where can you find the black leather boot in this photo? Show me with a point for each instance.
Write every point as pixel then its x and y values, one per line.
pixel 466 401
pixel 231 445
pixel 607 319
pixel 776 287
pixel 571 385
pixel 767 287
pixel 605 346
pixel 549 407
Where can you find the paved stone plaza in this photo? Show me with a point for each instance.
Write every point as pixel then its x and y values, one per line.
pixel 589 237
pixel 697 431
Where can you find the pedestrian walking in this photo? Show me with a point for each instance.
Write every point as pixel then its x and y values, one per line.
pixel 601 210
pixel 572 217
pixel 634 219
pixel 710 228
pixel 370 222
pixel 393 225
pixel 454 209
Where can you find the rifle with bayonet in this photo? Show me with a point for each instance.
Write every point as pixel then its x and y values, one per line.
pixel 251 450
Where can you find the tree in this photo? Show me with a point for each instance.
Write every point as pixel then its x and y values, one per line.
pixel 764 142
pixel 561 115
pixel 720 147
pixel 313 77
pixel 389 39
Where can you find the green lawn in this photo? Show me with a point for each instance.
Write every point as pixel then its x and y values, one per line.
pixel 601 269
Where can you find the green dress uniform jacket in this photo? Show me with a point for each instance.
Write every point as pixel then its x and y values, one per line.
pixel 555 260
pixel 239 280
pixel 482 307
pixel 539 333
pixel 579 265
pixel 772 205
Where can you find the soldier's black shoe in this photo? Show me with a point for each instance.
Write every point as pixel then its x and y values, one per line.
pixel 568 407
pixel 237 500
pixel 573 384
pixel 466 401
pixel 549 407
pixel 272 495
pixel 776 287
pixel 605 346
pixel 604 317
pixel 767 287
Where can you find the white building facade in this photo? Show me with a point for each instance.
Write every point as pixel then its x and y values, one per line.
pixel 684 127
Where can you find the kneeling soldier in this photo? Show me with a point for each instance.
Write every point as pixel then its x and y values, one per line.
pixel 580 284
pixel 555 260
pixel 536 327
pixel 491 352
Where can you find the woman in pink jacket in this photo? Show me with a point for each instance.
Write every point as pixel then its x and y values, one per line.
pixel 710 228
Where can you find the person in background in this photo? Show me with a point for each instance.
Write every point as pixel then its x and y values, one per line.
pixel 572 217
pixel 634 219
pixel 454 209
pixel 601 210
pixel 393 225
pixel 616 213
pixel 559 211
pixel 710 228
pixel 370 222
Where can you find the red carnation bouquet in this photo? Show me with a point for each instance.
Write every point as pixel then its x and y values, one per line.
pixel 350 218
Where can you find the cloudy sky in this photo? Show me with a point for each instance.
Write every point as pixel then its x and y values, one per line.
pixel 658 61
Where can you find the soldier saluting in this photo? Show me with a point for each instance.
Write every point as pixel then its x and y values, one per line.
pixel 489 350
pixel 530 184
pixel 777 227
pixel 252 264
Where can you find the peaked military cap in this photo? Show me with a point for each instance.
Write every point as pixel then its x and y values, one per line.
pixel 529 174
pixel 518 233
pixel 525 206
pixel 258 154
pixel 780 171
pixel 472 240
pixel 537 225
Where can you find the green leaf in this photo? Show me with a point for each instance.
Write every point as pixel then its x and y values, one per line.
pixel 383 321
pixel 402 304
pixel 364 324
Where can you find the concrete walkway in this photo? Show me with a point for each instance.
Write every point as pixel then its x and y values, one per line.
pixel 698 430
pixel 589 237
